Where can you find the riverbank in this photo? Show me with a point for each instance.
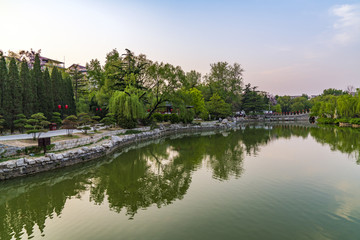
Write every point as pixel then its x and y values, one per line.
pixel 31 165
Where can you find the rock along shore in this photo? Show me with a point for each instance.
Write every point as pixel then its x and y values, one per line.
pixel 29 166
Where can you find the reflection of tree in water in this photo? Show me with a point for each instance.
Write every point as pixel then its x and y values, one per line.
pixel 159 173
pixel 32 207
pixel 345 140
pixel 133 183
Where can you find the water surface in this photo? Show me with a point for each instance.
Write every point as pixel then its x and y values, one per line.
pixel 259 182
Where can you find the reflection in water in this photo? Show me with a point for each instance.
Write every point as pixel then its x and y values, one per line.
pixel 157 174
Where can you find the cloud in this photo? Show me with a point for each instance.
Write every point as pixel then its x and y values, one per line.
pixel 347 25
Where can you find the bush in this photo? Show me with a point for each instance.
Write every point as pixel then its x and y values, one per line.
pixel 158 117
pixel 126 123
pixel 166 117
pixel 342 120
pixel 187 116
pixel 174 118
pixel 326 120
pixel 355 121
pixel 146 121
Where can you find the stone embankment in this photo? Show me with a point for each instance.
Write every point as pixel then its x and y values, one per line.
pixel 28 166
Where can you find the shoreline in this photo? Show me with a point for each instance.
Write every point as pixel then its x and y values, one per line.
pixel 29 166
pixel 26 166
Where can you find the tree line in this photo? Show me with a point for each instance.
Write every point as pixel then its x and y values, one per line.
pixel 134 88
pixel 26 89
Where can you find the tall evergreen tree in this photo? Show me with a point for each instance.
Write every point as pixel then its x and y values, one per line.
pixel 55 88
pixel 49 101
pixel 3 77
pixel 70 100
pixel 12 98
pixel 28 97
pixel 37 80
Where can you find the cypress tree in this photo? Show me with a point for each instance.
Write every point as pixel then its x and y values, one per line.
pixel 28 97
pixel 12 98
pixel 55 88
pixel 3 77
pixel 37 79
pixel 70 100
pixel 49 101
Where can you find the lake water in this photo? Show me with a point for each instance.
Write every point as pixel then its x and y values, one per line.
pixel 259 182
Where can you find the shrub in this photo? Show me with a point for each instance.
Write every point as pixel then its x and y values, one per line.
pixel 174 118
pixel 355 121
pixel 158 117
pixel 146 121
pixel 127 123
pixel 187 116
pixel 342 120
pixel 326 120
pixel 166 117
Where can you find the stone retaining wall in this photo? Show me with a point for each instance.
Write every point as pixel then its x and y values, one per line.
pixel 7 151
pixel 63 145
pixel 27 166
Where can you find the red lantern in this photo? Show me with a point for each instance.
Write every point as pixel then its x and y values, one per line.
pixel 59 106
pixel 100 109
pixel 97 109
pixel 171 110
pixel 66 106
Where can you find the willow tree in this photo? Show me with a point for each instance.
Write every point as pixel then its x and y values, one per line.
pixel 126 108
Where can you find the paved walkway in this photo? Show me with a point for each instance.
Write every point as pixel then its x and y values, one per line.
pixel 29 136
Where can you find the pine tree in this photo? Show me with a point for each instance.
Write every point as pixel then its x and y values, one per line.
pixel 37 79
pixel 28 97
pixel 49 101
pixel 12 98
pixel 3 77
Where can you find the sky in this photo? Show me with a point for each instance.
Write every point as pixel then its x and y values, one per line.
pixel 286 47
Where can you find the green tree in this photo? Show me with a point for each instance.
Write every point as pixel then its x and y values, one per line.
pixel 3 80
pixel 2 122
pixel 126 109
pixel 69 97
pixel 218 108
pixel 194 98
pixel 36 125
pixel 285 103
pixel 84 122
pixel 192 79
pixel 252 101
pixel 48 99
pixel 164 80
pixel 12 103
pixel 333 91
pixel 226 80
pixel 346 106
pixel 109 120
pixel 95 74
pixel 37 85
pixel 28 97
pixel 56 118
pixel 55 83
pixel 20 122
pixel 79 83
pixel 70 123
